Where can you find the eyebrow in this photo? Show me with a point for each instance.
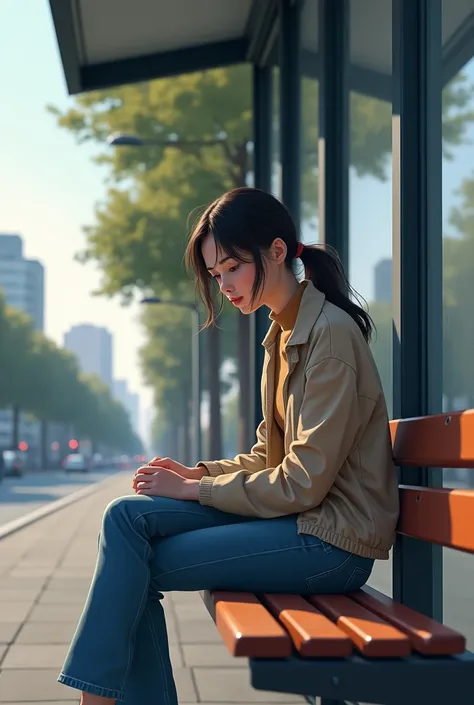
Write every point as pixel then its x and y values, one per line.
pixel 224 259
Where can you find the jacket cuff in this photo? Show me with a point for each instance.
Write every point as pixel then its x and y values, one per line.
pixel 205 491
pixel 213 468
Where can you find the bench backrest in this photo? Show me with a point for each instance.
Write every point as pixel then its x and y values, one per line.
pixel 442 516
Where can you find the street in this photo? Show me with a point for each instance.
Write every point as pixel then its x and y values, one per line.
pixel 21 495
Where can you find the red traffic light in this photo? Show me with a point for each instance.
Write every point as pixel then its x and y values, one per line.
pixel 23 445
pixel 73 444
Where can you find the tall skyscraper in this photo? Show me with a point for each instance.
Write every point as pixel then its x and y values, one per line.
pixel 22 285
pixel 129 400
pixel 21 280
pixel 383 280
pixel 93 347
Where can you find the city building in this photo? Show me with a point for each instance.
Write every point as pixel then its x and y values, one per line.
pixel 22 285
pixel 383 280
pixel 130 401
pixel 21 280
pixel 93 347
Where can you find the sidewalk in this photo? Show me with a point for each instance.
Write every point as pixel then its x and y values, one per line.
pixel 45 572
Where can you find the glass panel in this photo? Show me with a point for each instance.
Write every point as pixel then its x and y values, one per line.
pixel 458 274
pixel 309 122
pixel 370 188
pixel 276 163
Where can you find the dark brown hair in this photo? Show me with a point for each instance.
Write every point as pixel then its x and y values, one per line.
pixel 244 222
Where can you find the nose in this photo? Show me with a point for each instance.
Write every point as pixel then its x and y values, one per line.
pixel 225 287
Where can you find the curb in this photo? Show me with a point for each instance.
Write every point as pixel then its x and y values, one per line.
pixel 16 524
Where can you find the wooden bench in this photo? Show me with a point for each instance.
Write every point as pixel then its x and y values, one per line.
pixel 364 646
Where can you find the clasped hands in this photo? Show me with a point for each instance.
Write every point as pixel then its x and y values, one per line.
pixel 164 477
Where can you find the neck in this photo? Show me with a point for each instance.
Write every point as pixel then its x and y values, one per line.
pixel 282 294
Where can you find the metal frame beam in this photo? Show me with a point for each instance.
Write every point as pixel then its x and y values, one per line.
pixel 417 266
pixel 290 106
pixel 164 64
pixel 334 127
pixel 262 137
pixel 260 29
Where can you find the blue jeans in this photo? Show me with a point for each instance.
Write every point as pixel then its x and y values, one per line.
pixel 150 545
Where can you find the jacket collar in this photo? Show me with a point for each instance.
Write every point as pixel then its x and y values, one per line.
pixel 311 305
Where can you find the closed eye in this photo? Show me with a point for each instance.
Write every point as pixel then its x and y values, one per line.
pixel 231 269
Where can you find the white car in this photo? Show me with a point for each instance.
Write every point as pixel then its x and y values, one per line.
pixel 75 462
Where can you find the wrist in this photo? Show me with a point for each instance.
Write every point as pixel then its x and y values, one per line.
pixel 198 473
pixel 191 490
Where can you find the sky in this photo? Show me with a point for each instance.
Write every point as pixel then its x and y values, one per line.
pixel 49 186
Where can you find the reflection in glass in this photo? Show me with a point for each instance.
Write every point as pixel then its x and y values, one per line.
pixel 370 191
pixel 458 277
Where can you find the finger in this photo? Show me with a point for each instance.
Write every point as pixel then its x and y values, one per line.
pixel 143 485
pixel 149 470
pixel 143 478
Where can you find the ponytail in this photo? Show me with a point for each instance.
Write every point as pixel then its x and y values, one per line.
pixel 324 269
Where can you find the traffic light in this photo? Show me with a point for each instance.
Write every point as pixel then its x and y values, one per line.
pixel 73 444
pixel 23 445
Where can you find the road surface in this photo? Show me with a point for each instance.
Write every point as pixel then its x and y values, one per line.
pixel 21 495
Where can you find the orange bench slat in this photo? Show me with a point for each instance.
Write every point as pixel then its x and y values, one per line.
pixel 373 636
pixel 440 440
pixel 426 635
pixel 313 634
pixel 441 516
pixel 247 627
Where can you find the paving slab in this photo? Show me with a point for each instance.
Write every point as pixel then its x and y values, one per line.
pixel 233 685
pixel 41 685
pixel 45 574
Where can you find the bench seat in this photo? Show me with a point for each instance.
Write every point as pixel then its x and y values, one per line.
pixel 322 644
pixel 365 646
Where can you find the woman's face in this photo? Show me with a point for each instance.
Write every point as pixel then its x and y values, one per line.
pixel 235 278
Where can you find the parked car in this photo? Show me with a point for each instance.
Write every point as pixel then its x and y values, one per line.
pixel 75 462
pixel 13 463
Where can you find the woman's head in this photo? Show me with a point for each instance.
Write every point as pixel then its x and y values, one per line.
pixel 246 241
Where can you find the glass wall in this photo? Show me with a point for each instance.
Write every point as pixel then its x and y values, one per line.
pixel 309 122
pixel 370 187
pixel 458 274
pixel 276 160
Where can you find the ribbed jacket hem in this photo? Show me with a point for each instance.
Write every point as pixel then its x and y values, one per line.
pixel 205 491
pixel 347 544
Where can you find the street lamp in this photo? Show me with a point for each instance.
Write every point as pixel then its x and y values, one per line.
pixel 121 139
pixel 196 365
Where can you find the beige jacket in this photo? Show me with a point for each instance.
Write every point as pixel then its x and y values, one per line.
pixel 337 473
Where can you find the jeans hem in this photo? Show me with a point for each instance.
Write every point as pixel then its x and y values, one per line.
pixel 90 687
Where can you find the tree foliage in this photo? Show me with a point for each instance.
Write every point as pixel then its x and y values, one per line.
pixel 40 378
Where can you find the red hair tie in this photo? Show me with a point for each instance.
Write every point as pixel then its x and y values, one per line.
pixel 299 249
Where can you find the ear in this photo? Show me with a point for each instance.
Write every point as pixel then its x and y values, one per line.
pixel 278 250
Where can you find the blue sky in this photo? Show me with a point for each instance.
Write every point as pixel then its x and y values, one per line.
pixel 48 188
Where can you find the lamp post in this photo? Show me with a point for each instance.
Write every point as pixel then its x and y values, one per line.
pixel 121 139
pixel 196 367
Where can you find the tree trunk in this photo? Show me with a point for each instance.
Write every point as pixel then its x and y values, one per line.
pixel 185 444
pixel 44 454
pixel 245 393
pixel 214 362
pixel 174 441
pixel 15 426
